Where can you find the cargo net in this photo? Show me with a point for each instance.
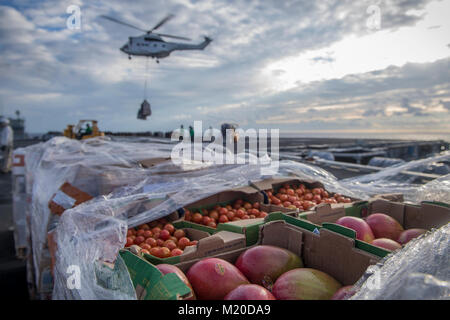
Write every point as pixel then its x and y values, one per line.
pixel 124 178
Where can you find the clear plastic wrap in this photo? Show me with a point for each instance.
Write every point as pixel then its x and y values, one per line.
pixel 421 270
pixel 396 179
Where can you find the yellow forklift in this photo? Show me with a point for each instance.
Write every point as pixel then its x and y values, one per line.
pixel 78 132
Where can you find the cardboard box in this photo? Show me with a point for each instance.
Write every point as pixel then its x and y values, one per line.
pixel 207 245
pixel 67 197
pixel 277 183
pixel 150 283
pixel 319 247
pixel 427 215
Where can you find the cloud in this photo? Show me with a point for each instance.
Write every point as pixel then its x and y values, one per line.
pixel 65 74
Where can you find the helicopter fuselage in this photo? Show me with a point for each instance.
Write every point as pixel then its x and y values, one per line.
pixel 151 45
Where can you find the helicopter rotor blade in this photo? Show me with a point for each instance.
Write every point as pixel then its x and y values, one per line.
pixel 170 36
pixel 123 23
pixel 170 16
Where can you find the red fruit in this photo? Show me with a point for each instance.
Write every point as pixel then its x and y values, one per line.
pixel 292 199
pixel 131 232
pixel 286 204
pixel 168 268
pixel 317 191
pixel 193 243
pixel 169 227
pixel 155 251
pixel 170 244
pixel 148 234
pixel 144 227
pixel 263 264
pixel 130 241
pixel 139 240
pixel 299 191
pixel 159 242
pixel 308 196
pixel 179 233
pixel 223 211
pixel 384 226
pixel 212 224
pixel 363 231
pixel 240 213
pixel 176 252
pixel 156 230
pixel 164 234
pixel 344 293
pixel 247 205
pixel 325 194
pixel 164 252
pixel 214 215
pixel 409 234
pixel 213 279
pixel 140 232
pixel 249 292
pixel 284 197
pixel 246 216
pixel 317 197
pixel 145 246
pixel 197 218
pixel 230 215
pixel 386 243
pixel 174 239
pixel 187 216
pixel 262 214
pixel 206 220
pixel 256 205
pixel 145 251
pixel 305 284
pixel 151 242
pixel 276 201
pixel 183 242
pixel 223 219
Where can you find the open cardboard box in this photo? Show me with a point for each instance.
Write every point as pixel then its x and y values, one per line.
pixel 427 215
pixel 150 283
pixel 319 247
pixel 277 183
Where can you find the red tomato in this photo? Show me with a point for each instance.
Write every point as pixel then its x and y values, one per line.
pixel 176 252
pixel 347 200
pixel 262 214
pixel 252 216
pixel 223 219
pixel 308 196
pixel 148 234
pixel 256 205
pixel 228 207
pixel 164 252
pixel 286 204
pixel 299 191
pixel 155 251
pixel 197 218
pixel 139 240
pixel 131 232
pixel 130 241
pixel 212 224
pixel 240 213
pixel 276 201
pixel 214 215
pixel 284 197
pixel 156 230
pixel 239 201
pixel 248 205
pixel 179 233
pixel 282 190
pixel 290 192
pixel 151 242
pixel 145 246
pixel 292 199
pixel 223 211
pixel 297 203
pixel 206 220
pixel 140 232
pixel 317 197
pixel 245 217
pixel 230 215
pixel 164 234
pixel 159 242
pixel 169 227
pixel 325 194
pixel 170 244
pixel 187 216
pixel 236 206
pixel 316 191
pixel 183 242
pixel 144 226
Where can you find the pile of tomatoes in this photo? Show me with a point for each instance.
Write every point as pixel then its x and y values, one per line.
pixel 239 210
pixel 159 238
pixel 302 198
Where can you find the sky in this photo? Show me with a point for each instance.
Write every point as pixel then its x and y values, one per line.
pixel 368 66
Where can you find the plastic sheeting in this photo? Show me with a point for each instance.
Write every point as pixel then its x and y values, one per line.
pixel 395 180
pixel 421 270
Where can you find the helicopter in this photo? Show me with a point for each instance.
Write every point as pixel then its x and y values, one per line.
pixel 152 44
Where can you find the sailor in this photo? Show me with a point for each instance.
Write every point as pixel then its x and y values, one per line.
pixel 6 145
pixel 88 130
